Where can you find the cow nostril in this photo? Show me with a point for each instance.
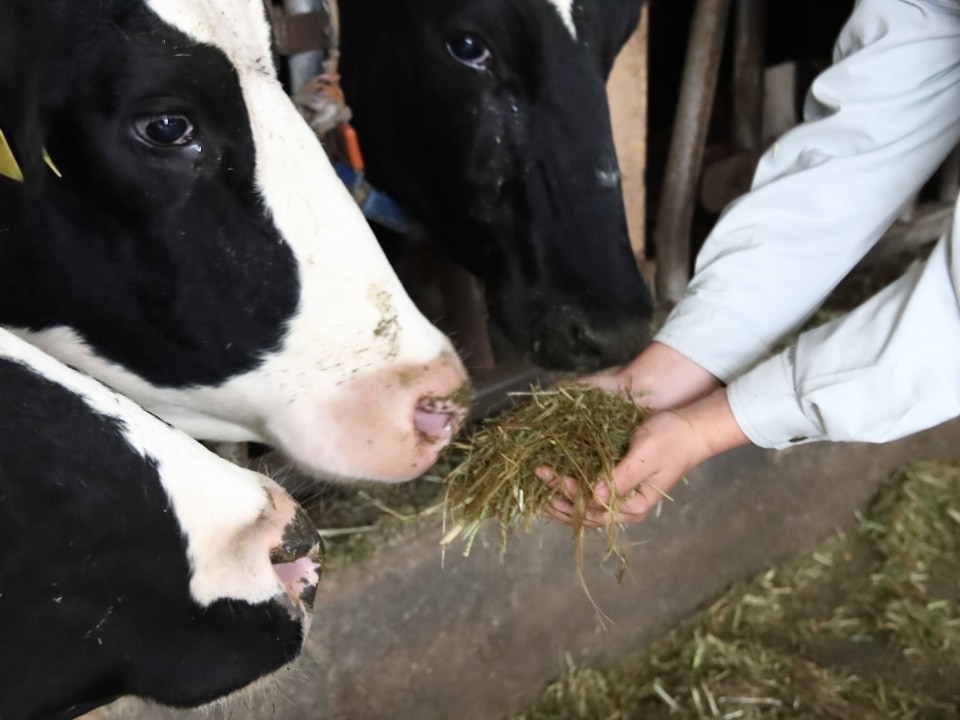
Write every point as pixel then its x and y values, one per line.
pixel 299 579
pixel 298 560
pixel 300 540
pixel 570 340
pixel 439 418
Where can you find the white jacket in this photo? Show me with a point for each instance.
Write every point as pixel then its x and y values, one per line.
pixel 878 124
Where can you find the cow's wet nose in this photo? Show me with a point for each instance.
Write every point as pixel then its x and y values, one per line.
pixel 438 419
pixel 298 560
pixel 569 339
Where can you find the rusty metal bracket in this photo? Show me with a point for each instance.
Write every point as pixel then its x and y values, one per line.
pixel 300 32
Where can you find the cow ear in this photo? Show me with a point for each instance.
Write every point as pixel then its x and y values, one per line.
pixel 21 143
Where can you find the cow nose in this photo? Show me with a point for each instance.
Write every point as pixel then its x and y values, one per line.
pixel 298 560
pixel 570 339
pixel 438 419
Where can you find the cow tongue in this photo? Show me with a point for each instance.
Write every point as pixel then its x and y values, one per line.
pixel 432 423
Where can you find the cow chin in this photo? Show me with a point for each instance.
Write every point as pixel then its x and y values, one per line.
pixel 387 425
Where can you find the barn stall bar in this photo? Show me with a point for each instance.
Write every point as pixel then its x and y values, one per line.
pixel 485 634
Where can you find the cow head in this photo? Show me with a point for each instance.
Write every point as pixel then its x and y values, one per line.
pixel 488 121
pixel 195 250
pixel 134 561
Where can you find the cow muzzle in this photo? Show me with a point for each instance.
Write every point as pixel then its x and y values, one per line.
pixel 298 561
pixel 438 419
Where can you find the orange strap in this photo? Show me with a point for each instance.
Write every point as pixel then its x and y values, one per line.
pixel 351 146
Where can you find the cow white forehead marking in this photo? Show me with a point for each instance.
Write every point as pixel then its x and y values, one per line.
pixel 565 8
pixel 238 27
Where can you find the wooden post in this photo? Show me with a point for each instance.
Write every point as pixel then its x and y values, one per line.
pixel 627 90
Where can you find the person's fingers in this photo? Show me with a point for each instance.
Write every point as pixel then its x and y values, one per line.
pixel 566 485
pixel 633 469
pixel 610 383
pixel 546 475
pixel 549 476
pixel 628 510
pixel 626 499
pixel 592 514
pixel 561 508
pixel 603 491
pixel 640 501
pixel 558 513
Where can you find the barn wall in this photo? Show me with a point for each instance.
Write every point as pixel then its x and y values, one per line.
pixel 627 89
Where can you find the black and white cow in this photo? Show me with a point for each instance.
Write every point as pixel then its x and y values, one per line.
pixel 488 121
pixel 199 254
pixel 132 560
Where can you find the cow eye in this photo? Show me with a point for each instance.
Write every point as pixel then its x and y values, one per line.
pixel 469 50
pixel 165 130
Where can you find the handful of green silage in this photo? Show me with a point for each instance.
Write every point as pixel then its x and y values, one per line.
pixel 578 430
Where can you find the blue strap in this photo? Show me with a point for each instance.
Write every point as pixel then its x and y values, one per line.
pixel 376 206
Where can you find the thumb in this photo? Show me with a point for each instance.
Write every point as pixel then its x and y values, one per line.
pixel 615 382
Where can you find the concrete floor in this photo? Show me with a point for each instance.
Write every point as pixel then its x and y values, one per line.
pixel 402 638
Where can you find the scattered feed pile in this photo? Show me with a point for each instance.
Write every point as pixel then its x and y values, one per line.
pixel 865 627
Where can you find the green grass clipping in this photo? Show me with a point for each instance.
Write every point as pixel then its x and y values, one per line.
pixel 578 430
pixel 864 627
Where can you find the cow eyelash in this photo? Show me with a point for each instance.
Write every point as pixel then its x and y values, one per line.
pixel 469 50
pixel 165 130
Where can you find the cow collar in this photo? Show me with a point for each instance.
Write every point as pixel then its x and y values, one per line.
pixel 10 168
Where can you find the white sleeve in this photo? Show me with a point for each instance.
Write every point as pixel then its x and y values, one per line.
pixel 888 369
pixel 879 123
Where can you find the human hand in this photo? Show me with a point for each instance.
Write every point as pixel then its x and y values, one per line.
pixel 662 378
pixel 663 449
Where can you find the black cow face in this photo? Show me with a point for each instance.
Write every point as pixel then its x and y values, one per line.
pixel 198 253
pixel 488 120
pixel 133 561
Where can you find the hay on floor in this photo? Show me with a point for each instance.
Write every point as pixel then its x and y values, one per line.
pixel 866 626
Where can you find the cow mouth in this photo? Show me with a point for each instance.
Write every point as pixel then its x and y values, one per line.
pixel 298 560
pixel 438 419
pixel 299 579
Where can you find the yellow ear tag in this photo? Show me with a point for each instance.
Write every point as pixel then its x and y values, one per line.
pixel 8 163
pixel 49 162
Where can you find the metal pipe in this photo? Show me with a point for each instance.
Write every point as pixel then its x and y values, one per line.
pixel 306 65
pixel 685 159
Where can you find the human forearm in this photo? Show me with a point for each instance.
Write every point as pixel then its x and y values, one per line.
pixel 714 425
pixel 886 370
pixel 879 123
pixel 664 379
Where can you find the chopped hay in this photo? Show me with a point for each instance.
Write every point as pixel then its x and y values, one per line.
pixel 359 520
pixel 865 626
pixel 579 430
